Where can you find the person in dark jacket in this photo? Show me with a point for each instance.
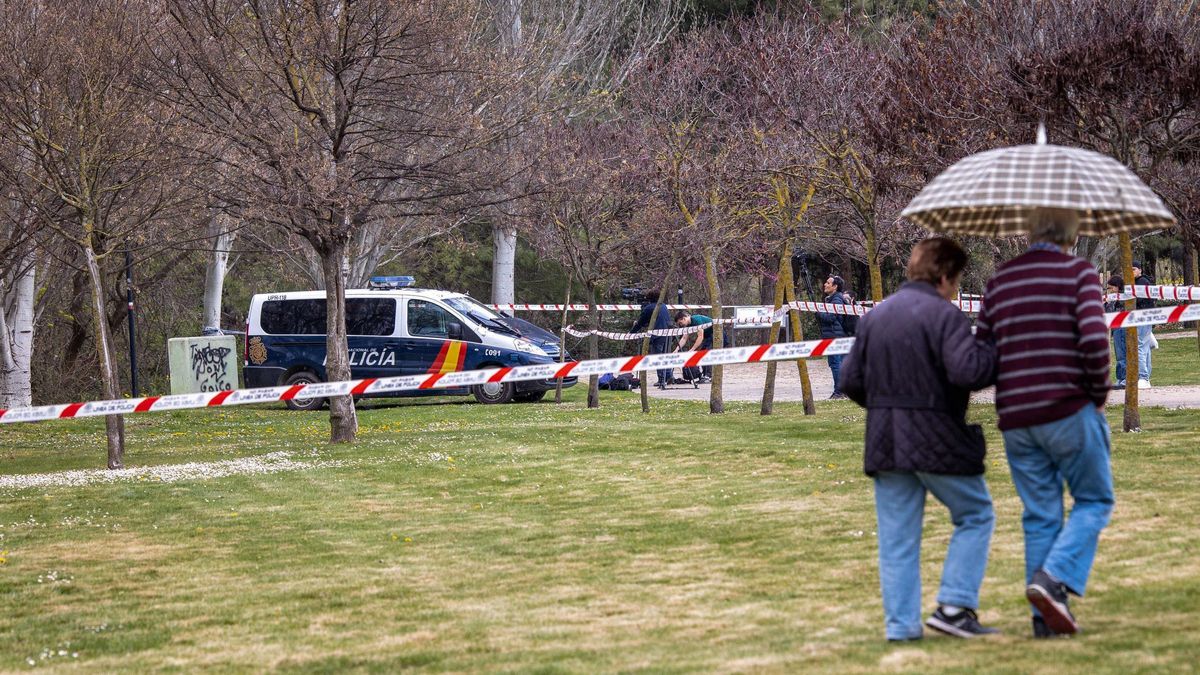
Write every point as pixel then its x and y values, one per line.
pixel 1116 285
pixel 659 344
pixel 913 366
pixel 832 327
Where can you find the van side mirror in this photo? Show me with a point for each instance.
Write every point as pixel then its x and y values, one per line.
pixel 454 330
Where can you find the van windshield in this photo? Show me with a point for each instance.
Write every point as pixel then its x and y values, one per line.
pixel 480 312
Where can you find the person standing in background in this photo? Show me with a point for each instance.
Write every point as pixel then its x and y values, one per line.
pixel 1117 285
pixel 659 344
pixel 1144 333
pixel 832 327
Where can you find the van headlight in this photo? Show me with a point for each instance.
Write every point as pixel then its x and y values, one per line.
pixel 527 347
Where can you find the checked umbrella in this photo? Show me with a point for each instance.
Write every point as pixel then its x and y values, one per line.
pixel 991 193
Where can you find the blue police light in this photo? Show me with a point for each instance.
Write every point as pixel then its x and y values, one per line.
pixel 391 282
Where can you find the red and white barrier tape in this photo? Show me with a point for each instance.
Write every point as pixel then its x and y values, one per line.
pixel 704 357
pixel 1177 293
pixel 758 321
pixel 787 351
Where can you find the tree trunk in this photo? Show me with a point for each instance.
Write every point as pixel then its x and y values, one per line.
pixel 562 344
pixel 214 277
pixel 716 402
pixel 1191 275
pixel 343 421
pixel 593 398
pixel 16 335
pixel 504 265
pixel 1133 416
pixel 768 399
pixel 873 265
pixel 789 289
pixel 114 425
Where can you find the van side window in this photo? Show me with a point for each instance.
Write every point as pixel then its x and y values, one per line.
pixel 294 317
pixel 370 316
pixel 426 319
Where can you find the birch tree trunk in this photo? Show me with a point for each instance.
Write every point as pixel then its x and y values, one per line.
pixel 16 336
pixel 343 421
pixel 504 265
pixel 716 402
pixel 114 425
pixel 1133 416
pixel 214 276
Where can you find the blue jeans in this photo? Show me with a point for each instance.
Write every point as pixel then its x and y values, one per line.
pixel 1075 449
pixel 661 345
pixel 900 509
pixel 1143 333
pixel 835 365
pixel 1118 338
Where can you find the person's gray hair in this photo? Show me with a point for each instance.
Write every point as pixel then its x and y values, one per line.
pixel 1054 226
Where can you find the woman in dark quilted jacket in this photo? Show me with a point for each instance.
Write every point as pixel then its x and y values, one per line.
pixel 913 366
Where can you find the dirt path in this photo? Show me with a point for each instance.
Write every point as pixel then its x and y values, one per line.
pixel 744 382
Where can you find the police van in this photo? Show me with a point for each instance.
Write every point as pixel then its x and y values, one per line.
pixel 394 329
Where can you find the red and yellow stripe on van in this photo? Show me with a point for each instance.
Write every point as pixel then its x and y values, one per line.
pixel 450 358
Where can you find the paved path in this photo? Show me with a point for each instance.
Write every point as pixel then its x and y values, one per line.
pixel 744 382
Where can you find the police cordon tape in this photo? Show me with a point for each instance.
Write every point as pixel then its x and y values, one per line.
pixel 1184 293
pixel 786 351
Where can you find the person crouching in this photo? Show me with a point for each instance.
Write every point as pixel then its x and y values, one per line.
pixel 913 366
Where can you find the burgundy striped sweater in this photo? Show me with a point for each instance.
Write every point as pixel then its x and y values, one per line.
pixel 1045 311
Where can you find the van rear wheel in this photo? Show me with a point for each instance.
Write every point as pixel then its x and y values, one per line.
pixel 494 392
pixel 304 377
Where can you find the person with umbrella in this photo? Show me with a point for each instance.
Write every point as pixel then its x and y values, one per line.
pixel 1044 310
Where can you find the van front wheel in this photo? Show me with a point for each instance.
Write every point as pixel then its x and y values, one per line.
pixel 304 377
pixel 494 392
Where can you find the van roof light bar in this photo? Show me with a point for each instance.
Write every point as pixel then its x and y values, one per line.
pixel 385 283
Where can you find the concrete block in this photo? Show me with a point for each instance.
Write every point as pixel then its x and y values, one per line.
pixel 201 364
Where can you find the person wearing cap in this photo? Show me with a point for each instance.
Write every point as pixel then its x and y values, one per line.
pixel 1144 333
pixel 1116 285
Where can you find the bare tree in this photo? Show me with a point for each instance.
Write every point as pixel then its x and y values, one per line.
pixel 333 114
pixel 574 53
pixel 584 211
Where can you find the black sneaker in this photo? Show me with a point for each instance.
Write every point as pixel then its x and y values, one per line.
pixel 1049 595
pixel 1040 629
pixel 965 624
pixel 838 396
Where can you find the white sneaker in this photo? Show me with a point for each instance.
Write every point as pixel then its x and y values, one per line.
pixel 1143 384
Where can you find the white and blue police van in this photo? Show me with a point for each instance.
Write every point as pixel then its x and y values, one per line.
pixel 394 329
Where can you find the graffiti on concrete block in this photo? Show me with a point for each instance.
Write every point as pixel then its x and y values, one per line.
pixel 209 366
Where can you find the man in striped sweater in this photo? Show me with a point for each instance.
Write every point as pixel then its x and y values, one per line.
pixel 1044 309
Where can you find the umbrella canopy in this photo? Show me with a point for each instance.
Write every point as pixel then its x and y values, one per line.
pixel 993 192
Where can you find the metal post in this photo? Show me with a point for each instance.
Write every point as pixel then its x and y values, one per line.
pixel 133 370
pixel 680 301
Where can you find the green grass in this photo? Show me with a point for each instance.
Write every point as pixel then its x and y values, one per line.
pixel 1175 362
pixel 459 537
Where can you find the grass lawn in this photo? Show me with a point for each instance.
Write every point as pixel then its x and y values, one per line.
pixel 461 537
pixel 1175 362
